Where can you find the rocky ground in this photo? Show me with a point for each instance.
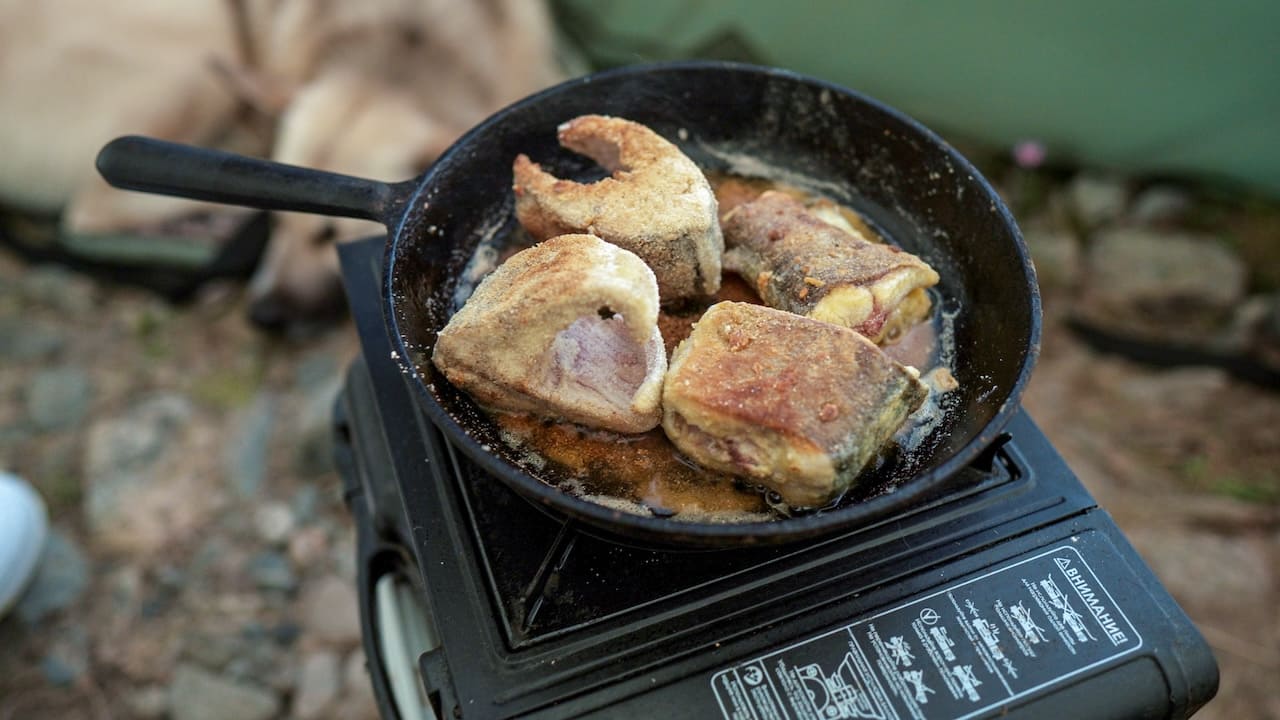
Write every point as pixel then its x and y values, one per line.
pixel 201 565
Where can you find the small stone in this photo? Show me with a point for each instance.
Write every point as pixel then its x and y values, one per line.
pixel 171 577
pixel 274 522
pixel 137 438
pixel 215 556
pixel 59 398
pixel 60 580
pixel 272 571
pixel 331 611
pixel 357 707
pixel 247 453
pixel 261 661
pixel 1174 287
pixel 308 545
pixel 253 630
pixel 1056 254
pixel 317 684
pixel 1158 204
pixel 155 606
pixel 283 674
pixel 304 503
pixel 241 669
pixel 124 587
pixel 213 651
pixel 138 496
pixel 57 671
pixel 68 657
pixel 22 340
pixel 315 429
pixel 144 651
pixel 1097 199
pixel 358 701
pixel 57 287
pixel 198 694
pixel 343 554
pixel 147 703
pixel 355 674
pixel 286 633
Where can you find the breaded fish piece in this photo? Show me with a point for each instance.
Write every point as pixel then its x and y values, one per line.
pixel 804 261
pixel 735 190
pixel 657 203
pixel 796 404
pixel 567 329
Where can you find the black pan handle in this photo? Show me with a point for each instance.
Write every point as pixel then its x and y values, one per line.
pixel 164 168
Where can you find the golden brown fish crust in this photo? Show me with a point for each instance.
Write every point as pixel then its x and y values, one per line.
pixel 657 203
pixel 734 190
pixel 797 404
pixel 804 261
pixel 566 329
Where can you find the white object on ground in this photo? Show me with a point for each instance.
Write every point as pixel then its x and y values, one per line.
pixel 24 525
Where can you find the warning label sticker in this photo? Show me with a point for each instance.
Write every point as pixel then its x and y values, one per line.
pixel 954 653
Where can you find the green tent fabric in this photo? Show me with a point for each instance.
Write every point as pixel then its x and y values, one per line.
pixel 1174 88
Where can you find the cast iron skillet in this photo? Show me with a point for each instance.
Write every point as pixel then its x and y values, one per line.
pixel 754 120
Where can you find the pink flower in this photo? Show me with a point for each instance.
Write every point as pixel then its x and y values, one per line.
pixel 1029 154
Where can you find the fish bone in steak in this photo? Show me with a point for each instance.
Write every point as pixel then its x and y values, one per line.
pixel 566 329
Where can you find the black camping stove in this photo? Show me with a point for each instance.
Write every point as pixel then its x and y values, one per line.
pixel 1010 593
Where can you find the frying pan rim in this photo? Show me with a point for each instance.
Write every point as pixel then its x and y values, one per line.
pixel 665 530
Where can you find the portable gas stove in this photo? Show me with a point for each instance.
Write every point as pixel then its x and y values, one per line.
pixel 1010 593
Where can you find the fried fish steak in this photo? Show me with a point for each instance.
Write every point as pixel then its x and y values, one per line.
pixel 805 262
pixel 734 190
pixel 793 403
pixel 567 329
pixel 656 203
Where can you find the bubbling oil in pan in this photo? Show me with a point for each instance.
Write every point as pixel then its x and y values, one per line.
pixel 644 473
